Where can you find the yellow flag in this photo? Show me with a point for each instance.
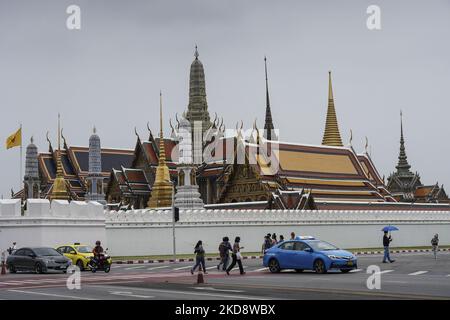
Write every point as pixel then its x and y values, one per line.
pixel 14 140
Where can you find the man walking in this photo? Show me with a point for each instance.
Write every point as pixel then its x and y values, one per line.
pixel 386 242
pixel 267 244
pixel 434 245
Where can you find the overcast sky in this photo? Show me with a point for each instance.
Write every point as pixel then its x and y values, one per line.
pixel 109 73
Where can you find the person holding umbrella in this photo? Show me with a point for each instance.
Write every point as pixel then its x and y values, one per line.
pixel 387 239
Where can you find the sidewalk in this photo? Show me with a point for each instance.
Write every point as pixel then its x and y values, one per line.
pixel 358 252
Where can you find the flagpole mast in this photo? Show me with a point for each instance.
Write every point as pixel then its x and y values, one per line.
pixel 20 178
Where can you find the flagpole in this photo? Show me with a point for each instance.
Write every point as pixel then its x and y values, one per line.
pixel 21 139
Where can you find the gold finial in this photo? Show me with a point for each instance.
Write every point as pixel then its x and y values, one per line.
pixel 161 195
pixel 331 136
pixel 32 139
pixel 95 130
pixel 59 190
pixel 351 137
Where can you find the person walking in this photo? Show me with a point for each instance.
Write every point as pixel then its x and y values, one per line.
pixel 199 257
pixel 224 251
pixel 267 244
pixel 386 242
pixel 274 239
pixel 434 245
pixel 292 235
pixel 236 256
pixel 281 238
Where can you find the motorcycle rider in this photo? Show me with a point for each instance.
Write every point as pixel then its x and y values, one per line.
pixel 98 251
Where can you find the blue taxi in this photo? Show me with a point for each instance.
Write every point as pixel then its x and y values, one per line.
pixel 308 253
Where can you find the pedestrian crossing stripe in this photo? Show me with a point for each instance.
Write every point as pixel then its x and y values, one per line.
pixel 417 273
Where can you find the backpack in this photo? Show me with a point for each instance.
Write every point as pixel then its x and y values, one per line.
pixel 434 242
pixel 267 244
pixel 222 249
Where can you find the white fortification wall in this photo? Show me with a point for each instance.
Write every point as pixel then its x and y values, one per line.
pixel 149 232
pixel 45 224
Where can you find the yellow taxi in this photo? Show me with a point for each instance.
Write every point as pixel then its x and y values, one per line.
pixel 80 254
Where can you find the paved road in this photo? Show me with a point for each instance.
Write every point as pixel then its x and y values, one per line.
pixel 412 276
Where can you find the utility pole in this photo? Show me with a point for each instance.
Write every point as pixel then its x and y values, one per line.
pixel 173 222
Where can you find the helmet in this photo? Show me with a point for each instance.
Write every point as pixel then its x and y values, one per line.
pixel 97 243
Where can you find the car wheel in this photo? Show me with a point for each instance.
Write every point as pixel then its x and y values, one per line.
pixel 274 266
pixel 93 269
pixel 38 268
pixel 299 270
pixel 345 270
pixel 107 269
pixel 12 269
pixel 80 265
pixel 319 266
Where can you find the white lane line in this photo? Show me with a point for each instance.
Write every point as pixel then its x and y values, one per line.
pixel 355 270
pixel 172 292
pixel 160 267
pixel 209 268
pixel 385 271
pixel 181 268
pixel 51 295
pixel 417 273
pixel 129 294
pixel 262 269
pixel 132 268
pixel 214 289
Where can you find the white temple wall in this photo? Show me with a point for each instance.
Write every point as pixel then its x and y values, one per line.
pixel 149 232
pixel 144 232
pixel 50 225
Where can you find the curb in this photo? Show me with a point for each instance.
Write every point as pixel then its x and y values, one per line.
pixel 358 253
pixel 177 260
pixel 398 251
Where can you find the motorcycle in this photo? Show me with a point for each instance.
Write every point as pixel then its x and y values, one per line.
pixel 102 263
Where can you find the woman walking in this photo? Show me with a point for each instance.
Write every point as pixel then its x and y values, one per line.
pixel 199 257
pixel 224 249
pixel 434 245
pixel 236 256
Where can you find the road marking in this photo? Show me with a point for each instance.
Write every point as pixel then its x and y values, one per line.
pixel 355 270
pixel 262 269
pixel 181 268
pixel 129 294
pixel 51 295
pixel 417 273
pixel 137 267
pixel 384 271
pixel 209 268
pixel 214 289
pixel 192 293
pixel 160 267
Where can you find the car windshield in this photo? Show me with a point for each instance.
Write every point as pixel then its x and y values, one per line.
pixel 84 249
pixel 46 252
pixel 321 246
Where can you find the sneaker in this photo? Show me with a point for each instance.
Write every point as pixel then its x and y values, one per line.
pixel 218 267
pixel 228 272
pixel 192 271
pixel 384 261
pixel 392 261
pixel 242 273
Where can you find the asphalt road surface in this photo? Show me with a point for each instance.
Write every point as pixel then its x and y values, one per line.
pixel 411 276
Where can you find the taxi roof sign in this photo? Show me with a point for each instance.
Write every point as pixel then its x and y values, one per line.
pixel 305 238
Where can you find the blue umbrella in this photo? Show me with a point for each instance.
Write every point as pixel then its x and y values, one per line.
pixel 390 228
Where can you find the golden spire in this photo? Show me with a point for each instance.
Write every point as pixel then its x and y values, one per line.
pixel 331 136
pixel 59 190
pixel 162 188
